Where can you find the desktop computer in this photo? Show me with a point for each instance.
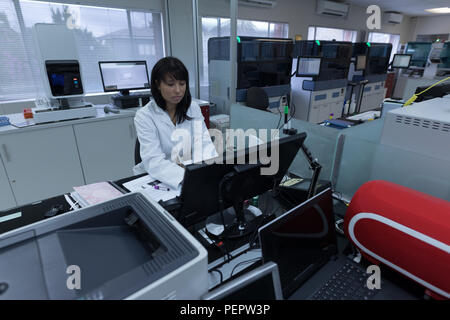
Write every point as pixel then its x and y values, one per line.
pixel 209 189
pixel 124 76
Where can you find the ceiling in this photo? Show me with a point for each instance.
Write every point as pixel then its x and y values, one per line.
pixel 407 7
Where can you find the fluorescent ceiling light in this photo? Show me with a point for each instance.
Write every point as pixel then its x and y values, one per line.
pixel 439 10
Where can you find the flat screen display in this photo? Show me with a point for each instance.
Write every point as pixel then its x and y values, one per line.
pixel 300 241
pixel 308 67
pixel 126 75
pixel 361 61
pixel 401 61
pixel 64 77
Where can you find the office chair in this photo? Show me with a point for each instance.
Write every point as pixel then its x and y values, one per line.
pixel 257 98
pixel 137 152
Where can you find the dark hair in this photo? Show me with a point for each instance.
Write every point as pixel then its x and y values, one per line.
pixel 172 67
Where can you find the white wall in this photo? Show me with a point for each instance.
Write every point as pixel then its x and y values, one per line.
pixel 182 38
pixel 431 25
pixel 300 14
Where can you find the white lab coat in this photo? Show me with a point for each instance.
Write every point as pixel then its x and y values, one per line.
pixel 158 147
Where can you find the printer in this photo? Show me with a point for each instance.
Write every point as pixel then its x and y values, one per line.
pixel 125 248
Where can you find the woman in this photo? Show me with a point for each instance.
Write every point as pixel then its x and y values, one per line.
pixel 171 115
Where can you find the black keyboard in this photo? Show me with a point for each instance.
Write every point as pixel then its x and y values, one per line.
pixel 348 283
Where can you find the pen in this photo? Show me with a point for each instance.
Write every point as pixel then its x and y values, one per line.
pixel 161 188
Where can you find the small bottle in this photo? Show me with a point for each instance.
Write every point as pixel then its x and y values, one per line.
pixel 255 201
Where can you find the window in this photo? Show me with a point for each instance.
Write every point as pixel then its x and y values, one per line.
pixel 100 33
pixel 220 27
pixel 394 39
pixel 329 34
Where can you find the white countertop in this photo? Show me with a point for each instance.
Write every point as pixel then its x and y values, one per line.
pixel 17 118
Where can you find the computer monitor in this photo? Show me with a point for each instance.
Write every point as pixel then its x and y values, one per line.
pixel 124 76
pixel 361 61
pixel 308 66
pixel 200 194
pixel 262 283
pixel 64 78
pixel 301 240
pixel 401 61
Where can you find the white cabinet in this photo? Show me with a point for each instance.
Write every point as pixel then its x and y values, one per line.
pixel 41 163
pixel 106 149
pixel 6 195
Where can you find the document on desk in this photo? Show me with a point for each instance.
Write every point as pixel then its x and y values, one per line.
pixel 97 192
pixel 153 188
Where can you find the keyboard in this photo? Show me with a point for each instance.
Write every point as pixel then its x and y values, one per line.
pixel 348 283
pixel 4 121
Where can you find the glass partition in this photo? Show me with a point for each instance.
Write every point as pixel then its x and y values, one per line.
pixel 364 161
pixel 354 156
pixel 369 130
pixel 324 143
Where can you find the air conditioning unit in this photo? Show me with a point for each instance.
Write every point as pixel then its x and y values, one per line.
pixel 393 17
pixel 331 8
pixel 258 3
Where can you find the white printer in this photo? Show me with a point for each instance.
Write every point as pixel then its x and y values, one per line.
pixel 126 248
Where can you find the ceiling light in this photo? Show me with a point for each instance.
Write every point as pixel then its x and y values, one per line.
pixel 439 10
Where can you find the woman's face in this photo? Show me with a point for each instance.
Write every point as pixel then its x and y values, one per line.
pixel 172 90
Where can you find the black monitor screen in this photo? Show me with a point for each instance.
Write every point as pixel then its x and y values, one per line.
pixel 300 241
pixel 64 77
pixel 200 190
pixel 258 290
pixel 124 75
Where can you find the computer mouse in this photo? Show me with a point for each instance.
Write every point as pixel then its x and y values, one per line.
pixel 54 211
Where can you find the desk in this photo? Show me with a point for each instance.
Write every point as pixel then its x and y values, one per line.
pixel 41 161
pixel 31 213
pixel 34 213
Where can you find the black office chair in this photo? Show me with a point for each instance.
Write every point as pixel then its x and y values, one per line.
pixel 257 98
pixel 137 152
